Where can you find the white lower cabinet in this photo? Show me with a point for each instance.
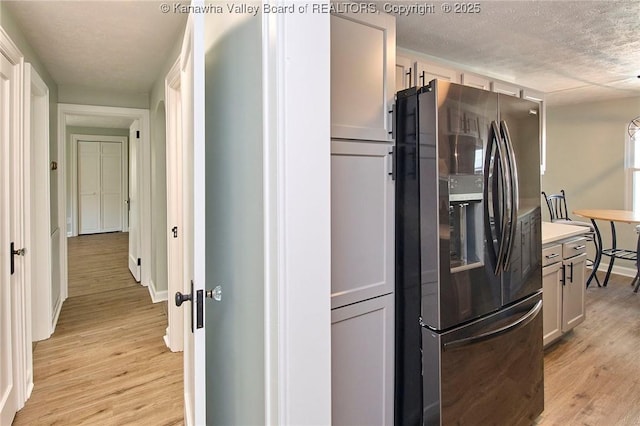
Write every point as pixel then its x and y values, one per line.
pixel 563 286
pixel 573 312
pixel 362 347
pixel 551 302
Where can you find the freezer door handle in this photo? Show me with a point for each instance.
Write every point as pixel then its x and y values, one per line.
pixel 519 323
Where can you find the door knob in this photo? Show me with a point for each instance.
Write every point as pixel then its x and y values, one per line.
pixel 215 294
pixel 14 252
pixel 181 298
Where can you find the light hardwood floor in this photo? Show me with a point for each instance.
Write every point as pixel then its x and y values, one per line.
pixel 592 375
pixel 106 363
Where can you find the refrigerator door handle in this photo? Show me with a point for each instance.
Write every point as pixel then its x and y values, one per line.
pixel 513 172
pixel 506 187
pixel 494 232
pixel 519 323
pixel 490 232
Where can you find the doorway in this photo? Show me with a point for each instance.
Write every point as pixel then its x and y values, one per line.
pixel 108 117
pixel 99 181
pixel 106 363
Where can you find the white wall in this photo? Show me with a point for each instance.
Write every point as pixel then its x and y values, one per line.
pixel 159 226
pixel 8 23
pixel 234 214
pixel 585 157
pixel 91 96
pixel 268 219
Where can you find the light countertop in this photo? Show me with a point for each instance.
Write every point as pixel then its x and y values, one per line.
pixel 558 231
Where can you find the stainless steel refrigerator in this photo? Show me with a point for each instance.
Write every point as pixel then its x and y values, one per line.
pixel 468 252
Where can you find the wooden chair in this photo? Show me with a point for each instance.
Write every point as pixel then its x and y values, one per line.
pixel 558 212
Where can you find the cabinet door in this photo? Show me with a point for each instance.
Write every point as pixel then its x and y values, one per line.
pixel 362 75
pixel 362 363
pixel 477 81
pixel 573 312
pixel 362 222
pixel 505 88
pixel 404 73
pixel 425 72
pixel 551 302
pixel 539 98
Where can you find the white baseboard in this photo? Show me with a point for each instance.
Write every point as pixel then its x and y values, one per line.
pixel 166 338
pixel 56 314
pixel 619 270
pixel 157 296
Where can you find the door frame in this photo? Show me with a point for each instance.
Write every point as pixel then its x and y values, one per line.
pixel 174 337
pixel 43 316
pixel 21 309
pixel 64 112
pixel 297 217
pixel 124 157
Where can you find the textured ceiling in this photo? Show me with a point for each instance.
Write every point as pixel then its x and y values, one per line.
pixel 117 45
pixel 573 50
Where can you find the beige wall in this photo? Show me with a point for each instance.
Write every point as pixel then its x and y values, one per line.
pixel 585 157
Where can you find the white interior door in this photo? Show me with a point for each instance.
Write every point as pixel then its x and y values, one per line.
pixel 39 238
pixel 192 190
pixel 134 200
pixel 100 186
pixel 9 280
pixel 175 245
pixel 88 187
pixel 111 186
pixel 7 389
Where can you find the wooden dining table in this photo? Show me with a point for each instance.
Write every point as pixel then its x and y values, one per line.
pixel 612 216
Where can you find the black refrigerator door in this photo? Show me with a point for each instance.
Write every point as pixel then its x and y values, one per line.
pixel 519 127
pixel 488 372
pixel 458 267
pixel 408 357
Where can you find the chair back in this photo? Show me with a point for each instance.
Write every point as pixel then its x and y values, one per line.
pixel 557 204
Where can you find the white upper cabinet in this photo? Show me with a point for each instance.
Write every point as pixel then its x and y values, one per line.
pixel 404 73
pixel 425 72
pixel 538 97
pixel 362 222
pixel 473 80
pixel 505 88
pixel 363 64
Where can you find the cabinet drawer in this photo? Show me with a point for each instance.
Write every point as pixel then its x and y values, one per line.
pixel 574 248
pixel 551 254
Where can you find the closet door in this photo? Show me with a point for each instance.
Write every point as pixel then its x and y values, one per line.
pixel 100 193
pixel 88 187
pixel 111 186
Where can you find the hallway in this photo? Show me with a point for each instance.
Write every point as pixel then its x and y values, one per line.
pixel 106 363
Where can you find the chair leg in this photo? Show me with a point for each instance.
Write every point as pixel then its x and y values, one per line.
pixel 594 240
pixel 635 290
